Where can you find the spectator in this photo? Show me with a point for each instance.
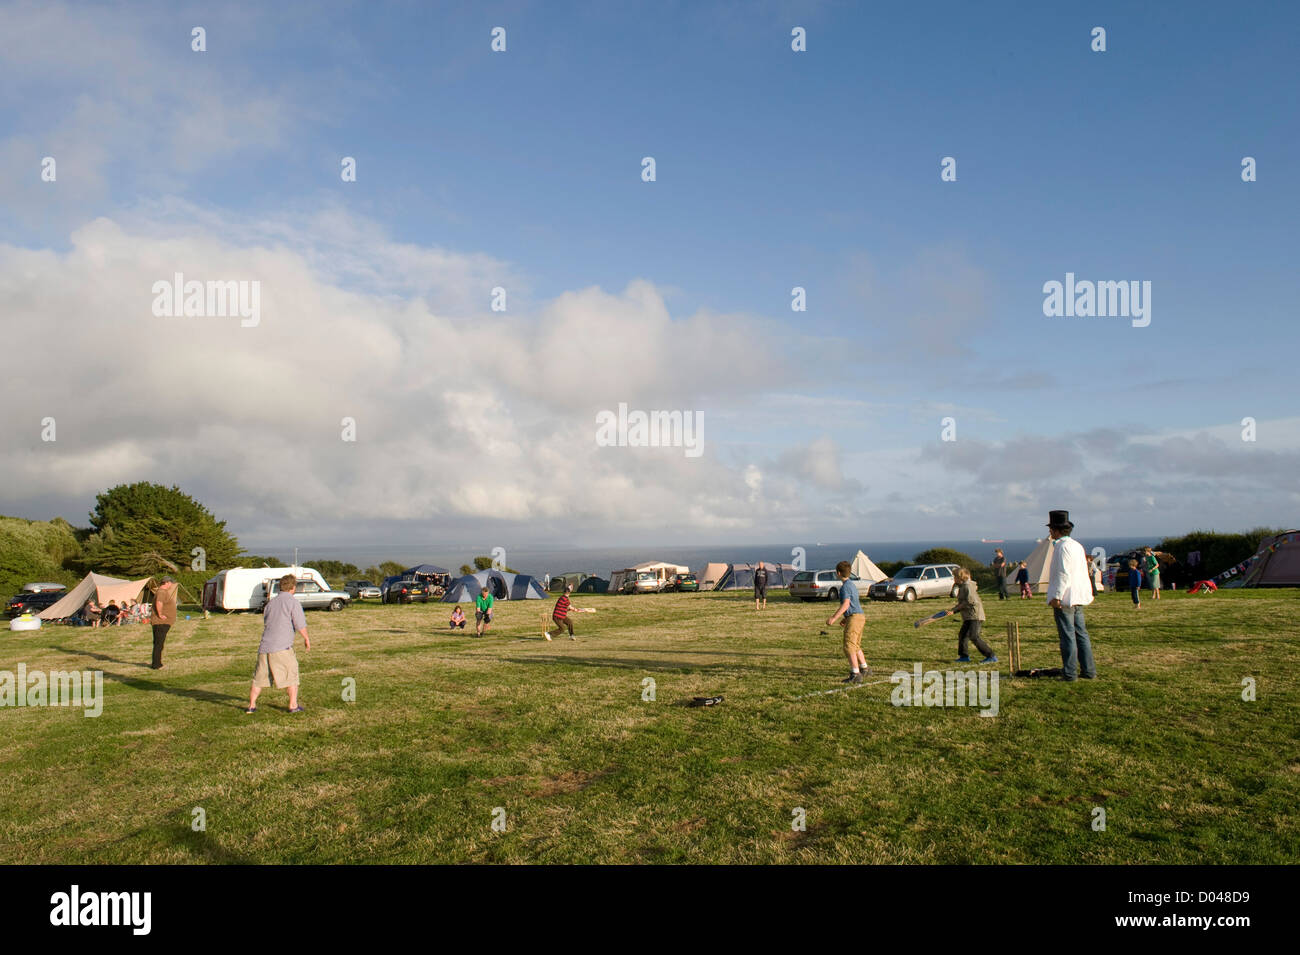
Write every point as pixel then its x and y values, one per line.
pixel 457 618
pixel 1000 571
pixel 1068 592
pixel 164 615
pixel 1022 578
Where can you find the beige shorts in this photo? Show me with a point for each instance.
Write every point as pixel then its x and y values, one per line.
pixel 853 624
pixel 278 669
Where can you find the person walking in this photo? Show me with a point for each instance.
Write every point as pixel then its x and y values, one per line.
pixel 1000 570
pixel 162 618
pixel 277 664
pixel 760 587
pixel 1151 566
pixel 1069 590
pixel 850 612
pixel 972 618
pixel 1022 578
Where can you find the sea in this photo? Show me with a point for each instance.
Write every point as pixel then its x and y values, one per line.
pixel 602 561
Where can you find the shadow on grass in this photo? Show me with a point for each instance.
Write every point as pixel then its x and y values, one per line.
pixel 641 664
pixel 201 846
pixel 135 683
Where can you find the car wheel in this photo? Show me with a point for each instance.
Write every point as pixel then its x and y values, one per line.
pixel 832 595
pixel 336 604
pixel 909 595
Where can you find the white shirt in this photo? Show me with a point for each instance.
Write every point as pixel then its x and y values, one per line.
pixel 1068 579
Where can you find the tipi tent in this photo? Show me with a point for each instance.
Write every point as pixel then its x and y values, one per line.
pixel 500 584
pixel 1039 565
pixel 1277 563
pixel 741 576
pixel 711 575
pixel 102 588
pixel 865 569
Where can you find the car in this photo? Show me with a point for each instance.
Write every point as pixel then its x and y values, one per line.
pixel 42 587
pixel 361 589
pixel 407 591
pixel 917 581
pixel 821 585
pixel 645 582
pixel 33 602
pixel 313 596
pixel 683 583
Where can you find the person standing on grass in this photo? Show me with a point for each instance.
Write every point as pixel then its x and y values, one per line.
pixel 1068 592
pixel 563 613
pixel 1000 573
pixel 850 616
pixel 277 664
pixel 1022 578
pixel 162 618
pixel 483 612
pixel 1151 565
pixel 760 587
pixel 972 618
pixel 1135 583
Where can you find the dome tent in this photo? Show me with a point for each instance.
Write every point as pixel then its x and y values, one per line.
pixel 500 584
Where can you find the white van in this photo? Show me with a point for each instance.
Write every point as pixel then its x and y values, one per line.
pixel 247 588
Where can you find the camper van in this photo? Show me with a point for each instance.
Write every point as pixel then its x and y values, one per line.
pixel 247 588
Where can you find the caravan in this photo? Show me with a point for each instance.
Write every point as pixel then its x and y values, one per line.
pixel 247 588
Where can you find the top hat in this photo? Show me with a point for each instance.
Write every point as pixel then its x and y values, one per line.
pixel 1060 520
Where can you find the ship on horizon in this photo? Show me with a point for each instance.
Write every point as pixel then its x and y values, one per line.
pixel 989 540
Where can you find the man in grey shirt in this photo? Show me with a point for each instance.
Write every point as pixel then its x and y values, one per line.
pixel 277 665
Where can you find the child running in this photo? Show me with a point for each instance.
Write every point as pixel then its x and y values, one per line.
pixel 562 615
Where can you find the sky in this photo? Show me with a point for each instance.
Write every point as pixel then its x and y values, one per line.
pixel 923 394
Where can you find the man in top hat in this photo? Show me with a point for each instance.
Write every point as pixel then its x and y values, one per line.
pixel 1069 590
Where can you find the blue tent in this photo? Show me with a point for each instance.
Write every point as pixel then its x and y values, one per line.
pixel 500 584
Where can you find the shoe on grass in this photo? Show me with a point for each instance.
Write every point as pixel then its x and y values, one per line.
pixel 547 635
pixel 962 659
pixel 251 709
pixel 991 658
pixel 298 709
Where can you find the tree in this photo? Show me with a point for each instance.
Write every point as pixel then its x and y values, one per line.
pixel 145 529
pixel 485 563
pixel 981 573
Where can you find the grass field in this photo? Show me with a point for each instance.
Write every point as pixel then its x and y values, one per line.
pixel 446 728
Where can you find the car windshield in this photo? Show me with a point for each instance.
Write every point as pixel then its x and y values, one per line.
pixel 908 573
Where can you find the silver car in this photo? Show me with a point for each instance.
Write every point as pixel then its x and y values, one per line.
pixel 313 596
pixel 917 581
pixel 361 589
pixel 821 585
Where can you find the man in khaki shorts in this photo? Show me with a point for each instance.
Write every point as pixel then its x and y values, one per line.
pixel 277 665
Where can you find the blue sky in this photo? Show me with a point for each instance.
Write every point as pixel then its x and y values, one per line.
pixel 774 169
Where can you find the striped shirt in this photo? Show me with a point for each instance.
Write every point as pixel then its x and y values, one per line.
pixel 561 607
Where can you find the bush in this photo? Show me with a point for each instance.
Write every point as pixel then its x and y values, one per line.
pixel 33 551
pixel 982 574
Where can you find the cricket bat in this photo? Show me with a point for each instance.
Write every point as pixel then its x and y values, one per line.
pixel 933 617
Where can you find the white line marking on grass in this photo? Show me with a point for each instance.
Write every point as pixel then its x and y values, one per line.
pixel 841 689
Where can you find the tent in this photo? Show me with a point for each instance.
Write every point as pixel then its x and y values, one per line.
pixel 1277 563
pixel 593 585
pixel 1039 565
pixel 102 588
pixel 501 585
pixel 659 568
pixel 865 569
pixel 711 575
pixel 741 576
pixel 428 570
pixel 574 577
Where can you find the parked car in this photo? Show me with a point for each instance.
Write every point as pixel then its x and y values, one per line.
pixel 646 582
pixel 683 583
pixel 917 581
pixel 313 596
pixel 361 589
pixel 407 591
pixel 41 587
pixel 821 585
pixel 33 602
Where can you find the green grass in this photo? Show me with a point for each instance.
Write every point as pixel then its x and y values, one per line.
pixel 446 728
